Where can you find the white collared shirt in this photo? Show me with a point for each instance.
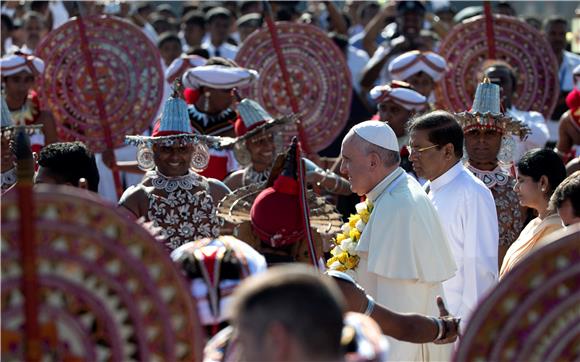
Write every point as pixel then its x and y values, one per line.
pixel 226 50
pixel 467 211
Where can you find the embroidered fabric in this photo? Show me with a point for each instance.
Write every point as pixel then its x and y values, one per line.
pixel 8 179
pixel 211 124
pixel 252 176
pixel 187 211
pixel 502 188
pixel 490 178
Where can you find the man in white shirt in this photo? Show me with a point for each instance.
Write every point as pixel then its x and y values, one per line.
pixel 404 254
pixel 219 24
pixel 502 74
pixel 465 206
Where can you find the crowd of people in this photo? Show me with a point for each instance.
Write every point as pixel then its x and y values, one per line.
pixel 436 206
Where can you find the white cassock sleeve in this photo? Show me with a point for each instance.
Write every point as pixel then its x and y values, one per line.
pixel 480 251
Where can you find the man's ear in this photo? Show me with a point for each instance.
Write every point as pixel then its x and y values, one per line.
pixel 374 160
pixel 449 150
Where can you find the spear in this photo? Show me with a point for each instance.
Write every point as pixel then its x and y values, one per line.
pixel 490 35
pixel 27 240
pixel 285 75
pixel 88 57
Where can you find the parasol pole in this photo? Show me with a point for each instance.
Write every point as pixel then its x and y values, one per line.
pixel 285 75
pixel 88 57
pixel 305 210
pixel 27 239
pixel 489 33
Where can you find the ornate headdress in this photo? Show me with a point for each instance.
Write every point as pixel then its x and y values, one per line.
pixel 215 267
pixel 18 61
pixel 253 122
pixel 181 65
pixel 413 62
pixel 401 93
pixel 485 113
pixel 174 128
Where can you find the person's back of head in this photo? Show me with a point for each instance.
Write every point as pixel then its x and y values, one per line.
pixel 566 199
pixel 66 163
pixel 289 312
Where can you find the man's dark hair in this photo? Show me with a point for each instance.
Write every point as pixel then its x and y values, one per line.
pixel 500 64
pixel 309 306
pixel 68 162
pixel 194 17
pixel 216 13
pixel 202 52
pixel 569 189
pixel 555 20
pixel 443 128
pixel 167 37
pixel 543 162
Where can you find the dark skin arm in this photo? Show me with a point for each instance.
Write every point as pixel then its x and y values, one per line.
pixel 375 26
pixel 408 327
pixel 234 180
pixel 135 200
pixel 336 18
pixel 48 127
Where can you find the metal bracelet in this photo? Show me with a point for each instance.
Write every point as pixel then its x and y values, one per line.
pixel 370 305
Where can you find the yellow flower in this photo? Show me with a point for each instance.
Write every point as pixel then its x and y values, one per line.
pixel 354 234
pixel 364 216
pixel 342 268
pixel 330 261
pixel 340 238
pixel 352 220
pixel 352 262
pixel 342 258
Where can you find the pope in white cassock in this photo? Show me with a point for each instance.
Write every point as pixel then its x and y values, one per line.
pixel 465 206
pixel 404 254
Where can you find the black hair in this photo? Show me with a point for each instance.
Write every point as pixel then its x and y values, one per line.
pixel 166 37
pixel 68 162
pixel 194 17
pixel 504 65
pixel 443 128
pixel 555 20
pixel 543 162
pixel 8 22
pixel 202 52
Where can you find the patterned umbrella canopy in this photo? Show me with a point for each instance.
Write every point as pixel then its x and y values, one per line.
pixel 108 290
pixel 534 312
pixel 126 67
pixel 319 74
pixel 517 43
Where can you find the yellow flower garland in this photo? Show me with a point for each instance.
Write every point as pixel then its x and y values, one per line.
pixel 344 256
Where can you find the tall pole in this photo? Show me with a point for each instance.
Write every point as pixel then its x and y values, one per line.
pixel 27 244
pixel 489 32
pixel 285 75
pixel 88 57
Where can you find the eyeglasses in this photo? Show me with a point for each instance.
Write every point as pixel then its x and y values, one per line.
pixel 419 151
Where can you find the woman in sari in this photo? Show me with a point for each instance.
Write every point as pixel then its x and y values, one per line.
pixel 540 171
